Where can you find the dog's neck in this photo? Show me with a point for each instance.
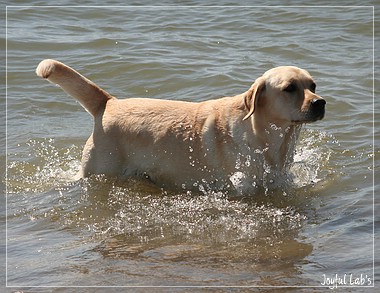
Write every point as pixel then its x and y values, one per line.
pixel 277 141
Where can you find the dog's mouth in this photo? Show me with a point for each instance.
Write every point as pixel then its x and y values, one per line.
pixel 316 112
pixel 310 117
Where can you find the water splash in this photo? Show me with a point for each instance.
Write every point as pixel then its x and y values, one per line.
pixel 311 158
pixel 43 164
pixel 309 166
pixel 50 163
pixel 202 219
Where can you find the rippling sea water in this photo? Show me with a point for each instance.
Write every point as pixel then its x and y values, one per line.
pixel 69 236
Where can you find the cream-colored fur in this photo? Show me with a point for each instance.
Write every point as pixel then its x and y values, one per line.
pixel 182 144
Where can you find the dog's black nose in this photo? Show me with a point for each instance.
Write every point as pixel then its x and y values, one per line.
pixel 318 108
pixel 318 103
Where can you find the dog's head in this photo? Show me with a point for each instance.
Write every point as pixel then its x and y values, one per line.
pixel 285 94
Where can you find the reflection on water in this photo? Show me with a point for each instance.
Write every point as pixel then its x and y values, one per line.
pixel 136 223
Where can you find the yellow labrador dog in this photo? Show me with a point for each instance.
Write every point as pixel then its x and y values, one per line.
pixel 179 144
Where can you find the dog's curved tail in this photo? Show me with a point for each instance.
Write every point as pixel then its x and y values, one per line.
pixel 91 96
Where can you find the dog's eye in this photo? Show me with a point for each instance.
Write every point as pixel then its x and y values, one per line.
pixel 291 87
pixel 313 86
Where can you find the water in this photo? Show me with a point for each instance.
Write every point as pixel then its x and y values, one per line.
pixel 68 236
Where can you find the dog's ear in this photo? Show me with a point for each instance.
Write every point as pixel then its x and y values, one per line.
pixel 252 96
